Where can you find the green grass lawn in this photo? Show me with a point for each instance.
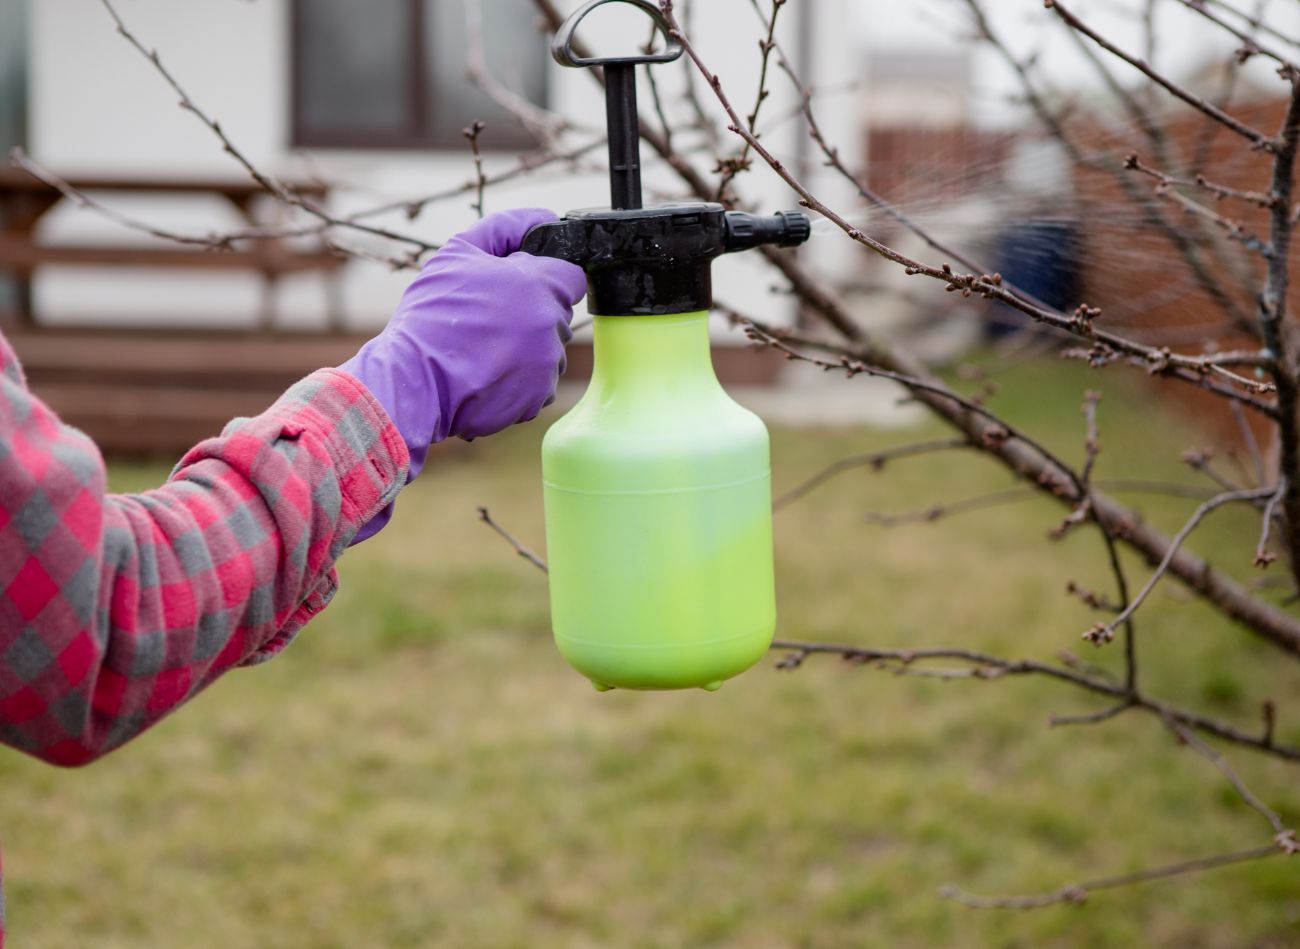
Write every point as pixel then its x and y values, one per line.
pixel 422 769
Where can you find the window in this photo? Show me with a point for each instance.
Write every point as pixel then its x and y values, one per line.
pixel 391 73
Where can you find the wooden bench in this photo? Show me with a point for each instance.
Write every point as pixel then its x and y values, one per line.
pixel 24 200
pixel 157 392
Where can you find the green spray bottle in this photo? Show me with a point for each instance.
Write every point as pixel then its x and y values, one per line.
pixel 657 485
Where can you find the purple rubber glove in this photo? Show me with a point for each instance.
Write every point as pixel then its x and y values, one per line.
pixel 477 341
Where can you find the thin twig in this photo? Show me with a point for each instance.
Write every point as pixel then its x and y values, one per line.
pixel 471 135
pixel 1078 892
pixel 936 512
pixel 1091 441
pixel 1284 836
pixel 1234 229
pixel 486 517
pixel 1093 718
pixel 734 165
pixel 1092 598
pixel 1221 192
pixel 703 121
pixel 1083 510
pixel 1143 117
pixel 1173 489
pixel 1104 632
pixel 876 460
pixel 1264 556
pixel 1200 459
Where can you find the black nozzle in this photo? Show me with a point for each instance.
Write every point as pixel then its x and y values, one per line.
pixel 784 229
pixel 657 260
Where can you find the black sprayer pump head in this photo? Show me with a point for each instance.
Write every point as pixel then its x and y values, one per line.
pixel 652 260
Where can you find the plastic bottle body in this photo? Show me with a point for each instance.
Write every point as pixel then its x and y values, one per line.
pixel 658 515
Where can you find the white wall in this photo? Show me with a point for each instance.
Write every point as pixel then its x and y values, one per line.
pixel 97 107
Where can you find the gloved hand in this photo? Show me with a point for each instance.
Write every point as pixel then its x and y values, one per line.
pixel 476 343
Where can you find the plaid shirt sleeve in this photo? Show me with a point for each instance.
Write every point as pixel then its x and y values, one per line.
pixel 114 609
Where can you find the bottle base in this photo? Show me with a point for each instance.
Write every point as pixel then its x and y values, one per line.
pixel 665 666
pixel 605 687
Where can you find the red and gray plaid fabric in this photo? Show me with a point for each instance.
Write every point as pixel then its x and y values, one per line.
pixel 114 609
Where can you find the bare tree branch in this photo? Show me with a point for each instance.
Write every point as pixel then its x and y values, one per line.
pixel 1078 892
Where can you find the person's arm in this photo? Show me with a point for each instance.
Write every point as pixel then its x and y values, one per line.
pixel 114 609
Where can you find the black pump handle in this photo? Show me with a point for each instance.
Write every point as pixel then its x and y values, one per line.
pixel 562 43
